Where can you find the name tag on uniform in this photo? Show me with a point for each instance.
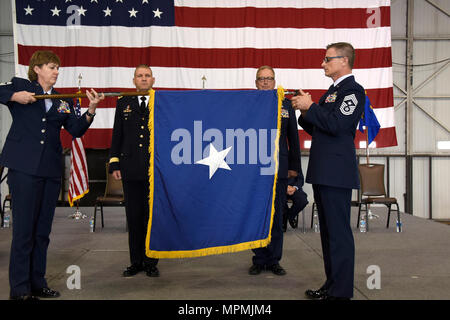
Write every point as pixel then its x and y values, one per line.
pixel 284 113
pixel 331 98
pixel 63 107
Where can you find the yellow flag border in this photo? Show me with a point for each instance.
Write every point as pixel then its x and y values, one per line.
pixel 211 250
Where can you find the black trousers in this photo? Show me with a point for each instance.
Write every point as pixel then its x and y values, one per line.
pixel 271 254
pixel 137 211
pixel 338 246
pixel 33 207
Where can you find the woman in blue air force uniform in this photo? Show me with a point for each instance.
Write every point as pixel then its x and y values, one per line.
pixel 33 155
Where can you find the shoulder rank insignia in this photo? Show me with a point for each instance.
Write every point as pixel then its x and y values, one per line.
pixel 5 83
pixel 63 107
pixel 331 97
pixel 284 113
pixel 127 109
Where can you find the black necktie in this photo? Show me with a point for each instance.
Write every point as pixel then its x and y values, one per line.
pixel 142 105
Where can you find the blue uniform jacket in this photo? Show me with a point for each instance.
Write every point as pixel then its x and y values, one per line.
pixel 289 154
pixel 33 144
pixel 332 124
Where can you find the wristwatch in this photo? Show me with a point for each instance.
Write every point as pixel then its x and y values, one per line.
pixel 90 114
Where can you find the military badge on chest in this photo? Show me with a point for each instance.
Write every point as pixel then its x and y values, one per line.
pixel 284 113
pixel 63 107
pixel 349 105
pixel 126 112
pixel 331 98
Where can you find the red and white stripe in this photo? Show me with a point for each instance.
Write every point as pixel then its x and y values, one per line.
pixel 225 41
pixel 79 180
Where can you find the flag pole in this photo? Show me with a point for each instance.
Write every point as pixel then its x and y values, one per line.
pixel 113 94
pixel 83 95
pixel 367 144
pixel 370 215
pixel 77 215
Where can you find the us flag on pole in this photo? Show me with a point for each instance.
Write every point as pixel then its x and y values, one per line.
pixel 79 180
pixel 185 41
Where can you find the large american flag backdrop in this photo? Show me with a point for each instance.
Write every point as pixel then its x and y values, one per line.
pixel 224 42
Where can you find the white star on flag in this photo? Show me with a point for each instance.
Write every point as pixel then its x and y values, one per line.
pixel 107 11
pixel 133 12
pixel 55 12
pixel 81 11
pixel 29 10
pixel 215 160
pixel 157 13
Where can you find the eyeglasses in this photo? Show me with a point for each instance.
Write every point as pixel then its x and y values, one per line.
pixel 328 59
pixel 261 79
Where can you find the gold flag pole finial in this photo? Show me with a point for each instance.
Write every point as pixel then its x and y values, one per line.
pixel 79 82
pixel 204 81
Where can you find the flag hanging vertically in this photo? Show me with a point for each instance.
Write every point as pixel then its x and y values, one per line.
pixel 212 171
pixel 370 121
pixel 79 180
pixel 223 42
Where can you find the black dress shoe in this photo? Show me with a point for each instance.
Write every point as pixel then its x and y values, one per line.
pixel 255 269
pixel 25 297
pixel 294 221
pixel 277 269
pixel 319 294
pixel 45 293
pixel 132 270
pixel 152 271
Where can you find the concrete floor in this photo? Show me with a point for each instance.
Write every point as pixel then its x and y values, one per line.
pixel 414 264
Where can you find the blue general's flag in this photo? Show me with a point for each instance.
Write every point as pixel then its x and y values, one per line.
pixel 370 121
pixel 212 171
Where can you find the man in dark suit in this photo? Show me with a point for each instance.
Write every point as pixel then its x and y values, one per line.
pixel 129 161
pixel 332 168
pixel 299 200
pixel 289 157
pixel 33 155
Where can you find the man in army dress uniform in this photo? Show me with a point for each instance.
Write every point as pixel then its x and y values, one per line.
pixel 129 161
pixel 332 167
